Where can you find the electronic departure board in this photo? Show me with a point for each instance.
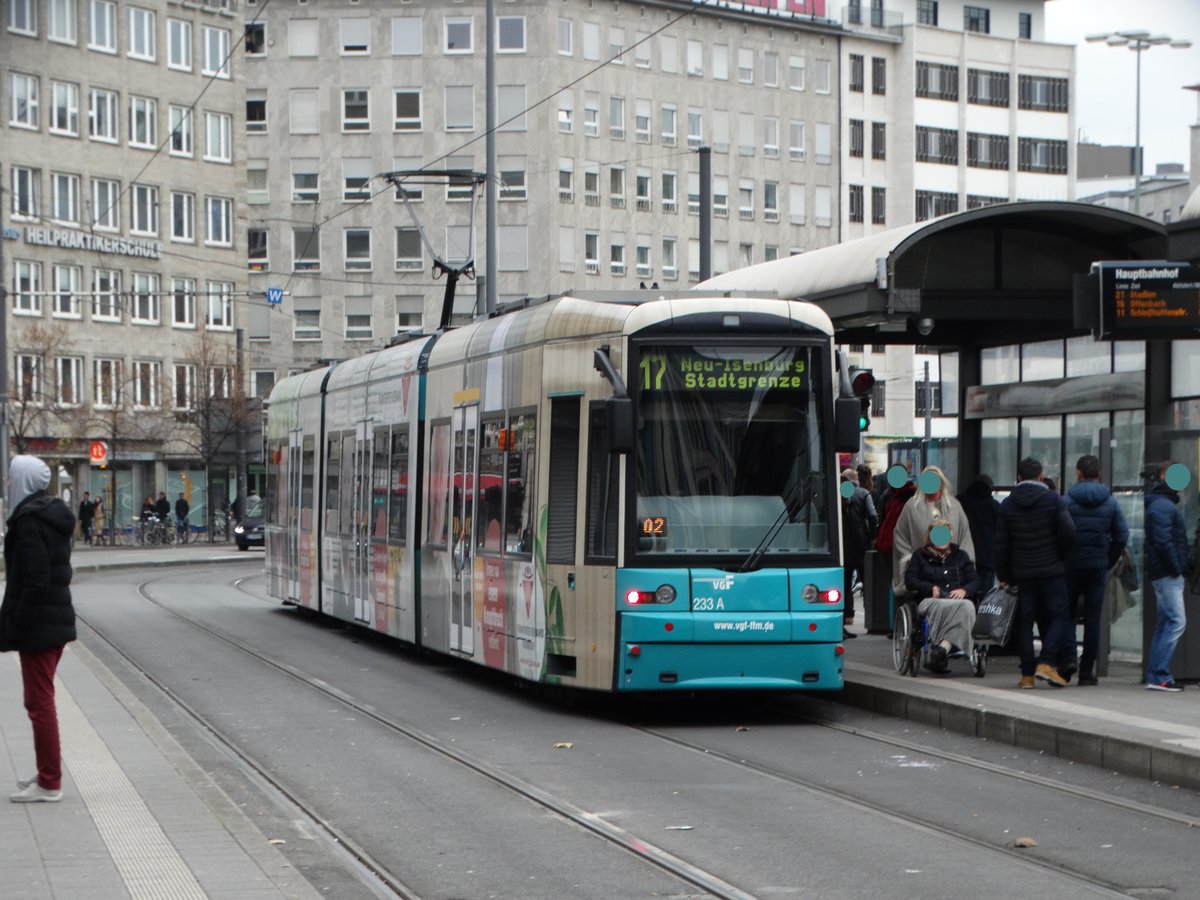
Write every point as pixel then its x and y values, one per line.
pixel 1149 300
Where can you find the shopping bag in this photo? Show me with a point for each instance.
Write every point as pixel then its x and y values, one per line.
pixel 994 616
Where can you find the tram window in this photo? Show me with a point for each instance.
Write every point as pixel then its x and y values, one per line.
pixel 347 495
pixel 518 502
pixel 379 484
pixel 439 483
pixel 307 467
pixel 333 473
pixel 564 480
pixel 399 490
pixel 601 490
pixel 489 485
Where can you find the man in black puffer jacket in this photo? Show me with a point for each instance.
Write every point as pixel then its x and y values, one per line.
pixel 37 618
pixel 1034 537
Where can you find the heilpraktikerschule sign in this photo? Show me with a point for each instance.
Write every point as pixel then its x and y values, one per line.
pixel 69 239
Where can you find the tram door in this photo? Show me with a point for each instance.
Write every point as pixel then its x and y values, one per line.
pixel 360 572
pixel 293 512
pixel 463 480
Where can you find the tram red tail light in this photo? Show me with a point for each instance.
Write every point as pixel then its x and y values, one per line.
pixel 664 594
pixel 813 594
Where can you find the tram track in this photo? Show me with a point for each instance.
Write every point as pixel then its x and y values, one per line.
pixel 677 867
pixel 366 867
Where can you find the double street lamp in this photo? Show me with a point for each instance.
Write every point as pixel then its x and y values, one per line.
pixel 1137 41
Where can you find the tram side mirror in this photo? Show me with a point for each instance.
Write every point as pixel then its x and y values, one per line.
pixel 618 414
pixel 846 433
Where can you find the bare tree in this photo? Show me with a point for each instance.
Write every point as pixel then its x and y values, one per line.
pixel 209 395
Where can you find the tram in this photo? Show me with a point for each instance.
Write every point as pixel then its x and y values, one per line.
pixel 626 492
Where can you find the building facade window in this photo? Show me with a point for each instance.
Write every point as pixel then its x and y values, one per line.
pixel 856 202
pixel 256 112
pixel 407 109
pixel 102 26
pixel 215 45
pixel 144 304
pixel 182 142
pixel 510 34
pixel 937 145
pixel 459 35
pixel 106 382
pixel 218 220
pixel 70 380
pixel 356 110
pixel 930 204
pixel 1042 155
pixel 306 250
pixel 1025 26
pixel 146 384
pixel 28 371
pixel 64 197
pixel 143 202
pixel 878 75
pixel 927 12
pixel 460 108
pixel 27 287
pixel 220 306
pixel 987 88
pixel 142 34
pixel 878 206
pixel 356 37
pixel 106 295
pixel 978 19
pixel 184 399
pixel 357 249
pixel 257 258
pixel 878 140
pixel 937 81
pixel 408 250
pixel 856 138
pixel 22 17
pixel 22 100
pixel 1042 93
pixel 102 116
pixel 183 216
pixel 64 108
pixel 217 138
pixel 143 122
pixel 179 44
pixel 987 151
pixel 26 192
pixel 183 303
pixel 856 72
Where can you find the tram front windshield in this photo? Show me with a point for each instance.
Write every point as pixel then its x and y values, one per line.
pixel 729 451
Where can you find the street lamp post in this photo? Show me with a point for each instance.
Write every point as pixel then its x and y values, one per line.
pixel 1137 41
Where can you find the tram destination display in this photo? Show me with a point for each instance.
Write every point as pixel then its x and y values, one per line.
pixel 1149 300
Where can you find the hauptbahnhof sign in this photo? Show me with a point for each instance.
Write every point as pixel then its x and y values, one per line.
pixel 1149 300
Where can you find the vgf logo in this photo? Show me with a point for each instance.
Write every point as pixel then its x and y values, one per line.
pixel 723 583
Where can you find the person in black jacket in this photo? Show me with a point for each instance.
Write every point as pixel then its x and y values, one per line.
pixel 1100 538
pixel 1166 557
pixel 943 575
pixel 1034 537
pixel 36 618
pixel 162 507
pixel 982 513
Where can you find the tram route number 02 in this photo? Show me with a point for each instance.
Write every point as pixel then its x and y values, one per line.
pixel 654 526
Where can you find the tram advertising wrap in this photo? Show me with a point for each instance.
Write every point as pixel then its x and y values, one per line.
pixel 632 494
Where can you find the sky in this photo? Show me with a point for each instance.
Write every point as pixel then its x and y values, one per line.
pixel 1106 109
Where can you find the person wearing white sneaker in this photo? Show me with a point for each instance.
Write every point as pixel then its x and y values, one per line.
pixel 37 618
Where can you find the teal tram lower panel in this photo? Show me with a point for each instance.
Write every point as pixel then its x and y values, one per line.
pixel 741 666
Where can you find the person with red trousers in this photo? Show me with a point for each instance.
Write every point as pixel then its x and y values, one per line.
pixel 37 619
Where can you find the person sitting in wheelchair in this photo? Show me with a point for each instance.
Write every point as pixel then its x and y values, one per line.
pixel 942 573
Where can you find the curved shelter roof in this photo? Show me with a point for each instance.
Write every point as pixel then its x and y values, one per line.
pixel 993 275
pixel 1191 209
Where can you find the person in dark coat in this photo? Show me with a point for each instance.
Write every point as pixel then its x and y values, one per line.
pixel 182 510
pixel 87 515
pixel 942 574
pixel 1100 538
pixel 982 513
pixel 1034 536
pixel 859 523
pixel 162 507
pixel 36 617
pixel 1166 554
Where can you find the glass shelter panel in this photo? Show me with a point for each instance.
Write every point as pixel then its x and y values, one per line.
pixel 1041 438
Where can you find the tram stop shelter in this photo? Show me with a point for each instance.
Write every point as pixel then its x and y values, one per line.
pixel 979 288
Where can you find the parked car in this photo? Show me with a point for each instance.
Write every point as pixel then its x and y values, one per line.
pixel 249 530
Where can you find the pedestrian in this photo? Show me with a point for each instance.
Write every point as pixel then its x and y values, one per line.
pixel 1166 555
pixel 162 507
pixel 859 522
pixel 943 576
pixel 148 512
pixel 934 499
pixel 36 617
pixel 982 511
pixel 864 479
pixel 87 516
pixel 1034 536
pixel 1100 538
pixel 182 509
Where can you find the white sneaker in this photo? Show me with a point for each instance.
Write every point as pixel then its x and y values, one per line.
pixel 35 793
pixel 23 783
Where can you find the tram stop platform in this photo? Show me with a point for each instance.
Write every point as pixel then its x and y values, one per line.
pixel 138 817
pixel 1117 725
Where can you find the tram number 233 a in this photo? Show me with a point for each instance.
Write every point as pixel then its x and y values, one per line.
pixel 654 526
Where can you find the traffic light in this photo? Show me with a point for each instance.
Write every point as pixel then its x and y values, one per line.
pixel 861 384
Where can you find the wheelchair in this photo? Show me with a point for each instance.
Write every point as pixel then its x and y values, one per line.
pixel 910 644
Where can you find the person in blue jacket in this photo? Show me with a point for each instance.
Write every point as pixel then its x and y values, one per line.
pixel 1100 537
pixel 1166 555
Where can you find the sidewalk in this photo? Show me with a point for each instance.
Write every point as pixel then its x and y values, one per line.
pixel 138 818
pixel 86 558
pixel 1117 725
